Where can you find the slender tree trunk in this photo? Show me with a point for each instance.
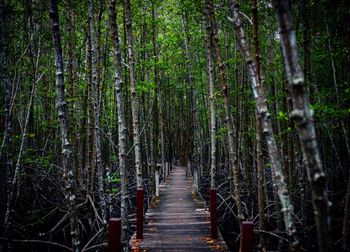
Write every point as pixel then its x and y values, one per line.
pixel 73 104
pixel 90 120
pixel 32 48
pixel 345 228
pixel 15 176
pixel 134 100
pixel 192 109
pixel 161 129
pixel 68 174
pixel 121 124
pixel 258 133
pixel 194 145
pixel 154 125
pixel 210 67
pixel 304 122
pixel 225 93
pixel 8 120
pixel 97 129
pixel 261 180
pixel 259 95
pixel 85 131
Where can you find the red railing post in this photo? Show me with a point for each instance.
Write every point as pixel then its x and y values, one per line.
pixel 213 214
pixel 139 213
pixel 247 236
pixel 114 243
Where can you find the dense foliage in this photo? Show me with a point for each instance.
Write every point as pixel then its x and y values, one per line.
pixel 171 77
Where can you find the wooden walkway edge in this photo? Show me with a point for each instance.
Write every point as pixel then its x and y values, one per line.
pixel 178 221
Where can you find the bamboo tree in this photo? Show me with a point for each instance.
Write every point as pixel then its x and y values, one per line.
pixel 304 121
pixel 68 173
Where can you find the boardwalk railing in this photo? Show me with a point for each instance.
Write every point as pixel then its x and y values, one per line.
pixel 114 243
pixel 139 213
pixel 165 228
pixel 247 236
pixel 213 214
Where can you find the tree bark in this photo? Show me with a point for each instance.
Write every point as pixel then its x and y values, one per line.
pixel 134 99
pixel 97 129
pixel 225 93
pixel 193 121
pixel 210 67
pixel 259 95
pixel 121 124
pixel 154 125
pixel 15 176
pixel 8 120
pixel 258 133
pixel 304 121
pixel 68 174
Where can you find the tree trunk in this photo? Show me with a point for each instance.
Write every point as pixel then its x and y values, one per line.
pixel 345 228
pixel 121 124
pixel 210 66
pixel 193 121
pixel 258 134
pixel 259 95
pixel 225 93
pixel 97 129
pixel 68 174
pixel 7 142
pixel 90 120
pixel 304 121
pixel 134 100
pixel 15 176
pixel 154 125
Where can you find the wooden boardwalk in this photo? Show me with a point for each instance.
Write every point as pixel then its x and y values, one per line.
pixel 178 221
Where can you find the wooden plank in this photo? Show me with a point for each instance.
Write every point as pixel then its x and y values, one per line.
pixel 178 221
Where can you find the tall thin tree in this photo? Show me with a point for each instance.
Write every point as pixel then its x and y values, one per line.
pixel 233 161
pixel 304 121
pixel 97 129
pixel 258 132
pixel 261 106
pixel 121 123
pixel 7 142
pixel 210 67
pixel 68 173
pixel 134 99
